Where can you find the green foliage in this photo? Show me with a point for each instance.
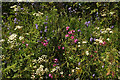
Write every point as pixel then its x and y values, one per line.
pixel 32 31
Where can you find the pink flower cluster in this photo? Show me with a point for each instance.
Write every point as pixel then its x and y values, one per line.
pixel 60 47
pixel 67 27
pixel 44 43
pixel 103 43
pixel 71 32
pixel 50 75
pixel 55 61
pixel 24 42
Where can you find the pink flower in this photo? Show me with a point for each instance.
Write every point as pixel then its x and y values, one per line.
pixel 45 40
pixel 69 74
pixel 26 44
pixel 73 30
pixel 100 43
pixel 46 43
pixel 95 51
pixel 54 65
pixel 23 42
pixel 50 75
pixel 42 42
pixel 63 47
pixel 67 27
pixel 70 32
pixel 104 43
pixel 55 60
pixel 91 56
pixel 72 37
pixel 75 40
pixel 58 47
pixel 67 35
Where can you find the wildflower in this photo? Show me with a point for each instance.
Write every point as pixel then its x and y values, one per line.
pixel 79 63
pixel 93 75
pixel 62 47
pixel 91 55
pixel 40 31
pixel 73 70
pixel 73 30
pixel 70 32
pixel 54 65
pixel 53 70
pixel 55 60
pixel 45 26
pixel 87 53
pixel 94 39
pixel 67 27
pixel 112 27
pixel 13 36
pixel 50 75
pixel 18 27
pixel 103 66
pixel 45 22
pixel 17 8
pixel 13 6
pixel 84 42
pixel 86 23
pixel 108 29
pixel 36 26
pixel 41 37
pixel 53 31
pixel 111 32
pixel 23 42
pixel 2 40
pixel 45 30
pixel 58 47
pixel 91 39
pixel 69 74
pixel 15 19
pixel 78 42
pixel 78 45
pixel 95 51
pixel 61 72
pixel 75 40
pixel 67 35
pixel 108 39
pixel 108 73
pixel 22 8
pixel 26 44
pixel 46 43
pixel 100 43
pixel 45 40
pixel 104 43
pixel 69 8
pixel 79 30
pixel 21 37
pixel 72 37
